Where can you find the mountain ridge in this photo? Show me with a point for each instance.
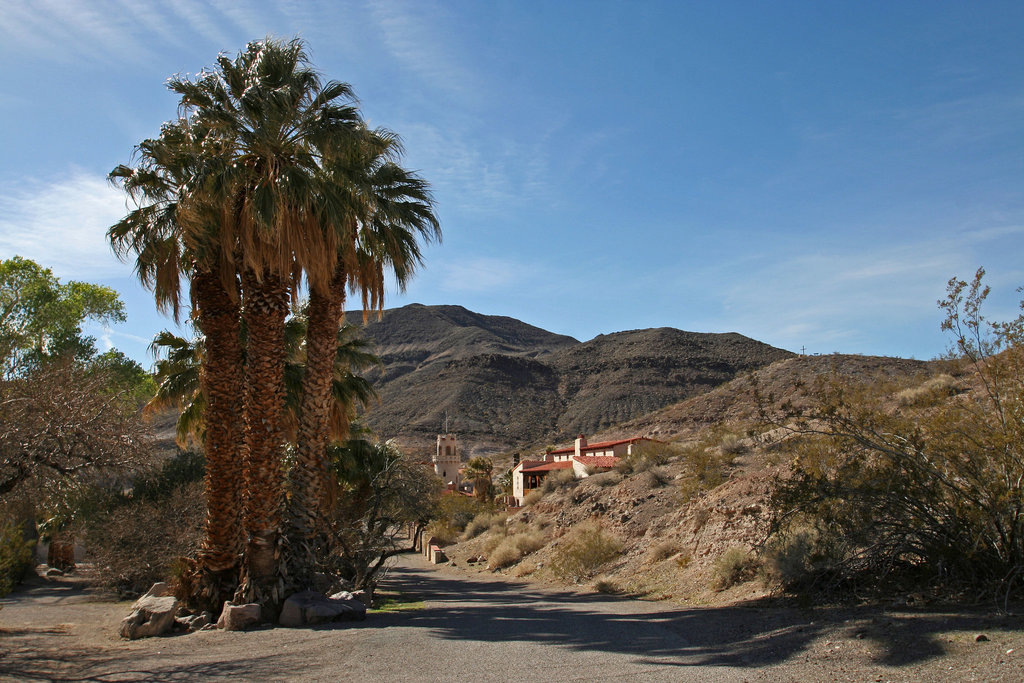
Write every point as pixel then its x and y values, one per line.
pixel 506 384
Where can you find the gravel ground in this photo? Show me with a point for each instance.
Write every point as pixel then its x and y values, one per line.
pixel 484 628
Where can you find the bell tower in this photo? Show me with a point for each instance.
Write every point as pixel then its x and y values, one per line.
pixel 446 458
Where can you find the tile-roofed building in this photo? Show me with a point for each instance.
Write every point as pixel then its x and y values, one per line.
pixel 584 459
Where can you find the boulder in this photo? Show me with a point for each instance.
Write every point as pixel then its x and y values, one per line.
pixel 239 617
pixel 151 615
pixel 309 607
pixel 194 622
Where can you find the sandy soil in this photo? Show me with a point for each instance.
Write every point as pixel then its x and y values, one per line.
pixel 490 625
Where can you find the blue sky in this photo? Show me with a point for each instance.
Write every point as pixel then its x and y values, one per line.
pixel 808 174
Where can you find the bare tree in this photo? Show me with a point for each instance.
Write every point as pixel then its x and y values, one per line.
pixel 63 421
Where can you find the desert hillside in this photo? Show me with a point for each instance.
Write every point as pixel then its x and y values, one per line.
pixel 677 516
pixel 505 384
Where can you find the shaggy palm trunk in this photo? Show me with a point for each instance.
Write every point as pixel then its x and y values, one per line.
pixel 308 477
pixel 266 306
pixel 221 381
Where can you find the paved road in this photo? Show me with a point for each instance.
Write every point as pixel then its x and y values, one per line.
pixel 473 628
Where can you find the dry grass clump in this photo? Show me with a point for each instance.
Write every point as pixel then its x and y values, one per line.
pixel 585 549
pixel 444 531
pixel 513 548
pixel 532 497
pixel 936 388
pixel 558 480
pixel 606 479
pixel 788 560
pixel 484 521
pixel 607 586
pixel 664 550
pixel 732 444
pixel 645 457
pixel 732 567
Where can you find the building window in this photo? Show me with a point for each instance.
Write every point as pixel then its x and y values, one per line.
pixel 447 450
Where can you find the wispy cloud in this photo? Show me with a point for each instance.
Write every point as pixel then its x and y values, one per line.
pixel 412 35
pixel 62 224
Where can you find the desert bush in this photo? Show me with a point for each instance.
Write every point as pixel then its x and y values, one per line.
pixel 664 550
pixel 644 457
pixel 732 444
pixel 532 497
pixel 607 586
pixel 930 496
pixel 558 480
pixel 654 478
pixel 15 555
pixel 511 549
pixel 483 522
pixel 794 560
pixel 443 530
pixel 136 544
pixel 932 390
pixel 583 551
pixel 606 479
pixel 734 566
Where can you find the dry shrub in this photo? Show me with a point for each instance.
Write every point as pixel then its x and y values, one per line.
pixel 487 520
pixel 532 497
pixel 683 560
pixel 654 478
pixel 644 457
pixel 585 549
pixel 558 480
pixel 607 586
pixel 443 530
pixel 664 550
pixel 138 544
pixel 734 566
pixel 732 444
pixel 788 560
pixel 932 390
pixel 606 479
pixel 511 549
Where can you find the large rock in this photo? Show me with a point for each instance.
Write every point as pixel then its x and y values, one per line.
pixel 309 607
pixel 151 615
pixel 239 617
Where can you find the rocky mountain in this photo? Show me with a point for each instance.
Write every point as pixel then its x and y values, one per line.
pixel 505 384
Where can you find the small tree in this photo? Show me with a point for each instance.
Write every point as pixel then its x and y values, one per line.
pixel 382 495
pixel 479 470
pixel 930 490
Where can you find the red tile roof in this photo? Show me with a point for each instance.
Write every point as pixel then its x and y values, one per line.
pixel 546 466
pixel 597 460
pixel 599 446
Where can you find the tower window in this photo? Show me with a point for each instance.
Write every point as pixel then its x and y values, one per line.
pixel 447 450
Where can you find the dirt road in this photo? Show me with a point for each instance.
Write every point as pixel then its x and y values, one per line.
pixel 480 628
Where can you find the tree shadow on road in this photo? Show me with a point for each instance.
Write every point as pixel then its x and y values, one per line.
pixel 750 635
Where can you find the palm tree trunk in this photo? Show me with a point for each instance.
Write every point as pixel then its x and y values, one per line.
pixel 308 477
pixel 265 310
pixel 221 381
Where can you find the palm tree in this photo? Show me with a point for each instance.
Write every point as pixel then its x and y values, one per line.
pixel 179 365
pixel 279 124
pixel 388 209
pixel 161 184
pixel 479 470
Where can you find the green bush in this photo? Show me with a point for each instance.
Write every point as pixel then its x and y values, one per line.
pixel 926 495
pixel 583 551
pixel 15 556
